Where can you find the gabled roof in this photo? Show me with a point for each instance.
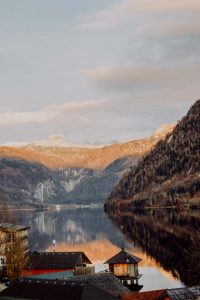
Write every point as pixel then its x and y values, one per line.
pixel 123 257
pixel 53 290
pixel 186 293
pixel 56 260
pixel 105 281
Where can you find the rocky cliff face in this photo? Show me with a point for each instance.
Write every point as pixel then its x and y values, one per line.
pixel 170 173
pixel 25 183
pixel 96 187
pixel 22 183
pixel 71 177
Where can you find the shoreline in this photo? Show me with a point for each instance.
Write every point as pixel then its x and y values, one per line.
pixel 56 207
pixel 142 208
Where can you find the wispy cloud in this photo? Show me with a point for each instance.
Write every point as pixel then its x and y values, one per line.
pixel 130 77
pixel 71 111
pixel 172 28
pixel 128 9
pixel 140 56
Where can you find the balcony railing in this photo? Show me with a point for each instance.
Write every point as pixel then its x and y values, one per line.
pixel 84 271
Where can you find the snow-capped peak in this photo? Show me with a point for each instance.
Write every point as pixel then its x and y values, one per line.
pixel 163 130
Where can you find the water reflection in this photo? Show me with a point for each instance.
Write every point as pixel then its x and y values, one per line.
pixel 68 227
pixel 91 231
pixel 171 237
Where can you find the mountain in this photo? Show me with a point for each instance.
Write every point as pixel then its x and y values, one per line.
pixel 169 174
pixel 35 174
pixel 163 130
pixel 97 187
pixel 24 183
pixel 59 141
pixel 55 157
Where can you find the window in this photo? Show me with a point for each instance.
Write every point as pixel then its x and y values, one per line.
pixel 2 261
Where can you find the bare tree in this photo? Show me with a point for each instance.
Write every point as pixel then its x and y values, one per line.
pixel 16 259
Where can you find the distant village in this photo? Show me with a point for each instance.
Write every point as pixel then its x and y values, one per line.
pixel 71 275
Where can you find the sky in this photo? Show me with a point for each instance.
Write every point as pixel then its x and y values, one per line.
pixel 96 70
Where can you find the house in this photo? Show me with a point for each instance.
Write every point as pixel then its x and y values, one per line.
pixel 48 262
pixel 53 290
pixel 10 234
pixel 125 267
pixel 185 293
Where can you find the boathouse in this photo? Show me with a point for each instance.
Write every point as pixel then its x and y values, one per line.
pixel 125 267
pixel 48 262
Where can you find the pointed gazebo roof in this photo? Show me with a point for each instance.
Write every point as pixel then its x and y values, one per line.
pixel 123 257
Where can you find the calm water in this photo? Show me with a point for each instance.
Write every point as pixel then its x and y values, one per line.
pixel 167 241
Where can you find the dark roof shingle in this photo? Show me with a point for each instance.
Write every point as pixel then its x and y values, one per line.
pixel 53 290
pixel 56 260
pixel 105 281
pixel 186 293
pixel 123 257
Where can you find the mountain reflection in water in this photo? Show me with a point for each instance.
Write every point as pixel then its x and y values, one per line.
pixel 68 227
pixel 100 237
pixel 171 237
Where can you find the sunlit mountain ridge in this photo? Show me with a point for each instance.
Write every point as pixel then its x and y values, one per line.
pixel 57 154
pixel 37 174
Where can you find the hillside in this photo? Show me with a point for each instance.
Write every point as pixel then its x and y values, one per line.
pixel 96 188
pixel 25 183
pixel 169 174
pixel 65 157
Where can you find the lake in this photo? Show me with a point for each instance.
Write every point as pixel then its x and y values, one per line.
pixel 167 241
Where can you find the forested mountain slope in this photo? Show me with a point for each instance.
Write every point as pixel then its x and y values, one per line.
pixel 170 173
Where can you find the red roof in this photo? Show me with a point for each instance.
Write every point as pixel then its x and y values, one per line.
pixel 184 293
pixel 152 295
